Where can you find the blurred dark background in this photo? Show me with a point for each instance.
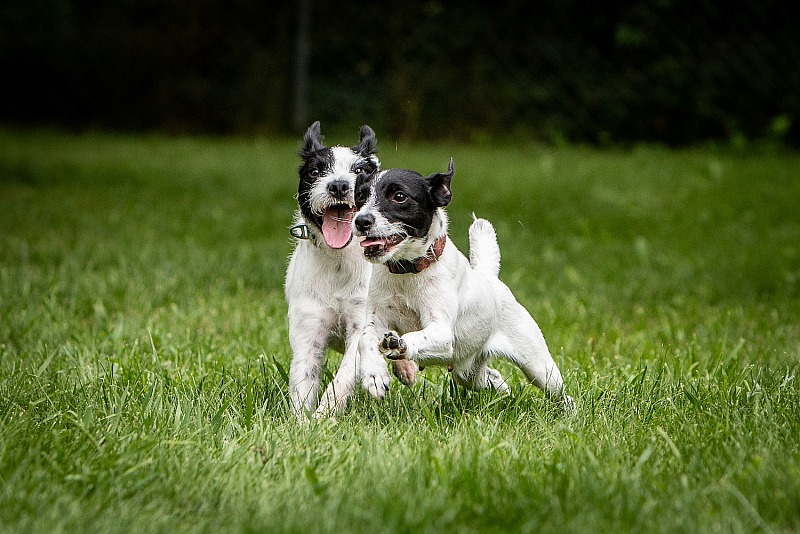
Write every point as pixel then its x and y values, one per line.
pixel 672 71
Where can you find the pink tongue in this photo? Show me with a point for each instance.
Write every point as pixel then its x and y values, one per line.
pixel 370 242
pixel 336 227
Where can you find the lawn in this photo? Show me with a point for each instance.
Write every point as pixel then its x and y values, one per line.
pixel 143 346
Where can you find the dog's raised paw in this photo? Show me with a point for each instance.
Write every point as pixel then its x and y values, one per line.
pixel 405 371
pixel 392 346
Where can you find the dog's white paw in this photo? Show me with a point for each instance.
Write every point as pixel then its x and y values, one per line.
pixel 392 346
pixel 377 382
pixel 495 381
pixel 405 371
pixel 328 407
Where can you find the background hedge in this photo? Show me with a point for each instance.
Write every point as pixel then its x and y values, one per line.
pixel 672 71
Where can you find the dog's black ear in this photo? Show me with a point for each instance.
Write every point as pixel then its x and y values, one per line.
pixel 439 186
pixel 367 145
pixel 312 141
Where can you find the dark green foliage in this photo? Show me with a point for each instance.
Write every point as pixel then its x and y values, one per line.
pixel 676 72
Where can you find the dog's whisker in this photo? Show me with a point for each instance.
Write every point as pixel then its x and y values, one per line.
pixel 310 276
pixel 408 245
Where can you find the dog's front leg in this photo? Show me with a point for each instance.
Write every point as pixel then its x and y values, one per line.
pixel 375 376
pixel 309 328
pixel 392 346
pixel 341 387
pixel 433 344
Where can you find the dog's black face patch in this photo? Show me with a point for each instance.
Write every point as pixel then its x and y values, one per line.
pixel 396 211
pixel 406 197
pixel 402 196
pixel 315 165
pixel 327 177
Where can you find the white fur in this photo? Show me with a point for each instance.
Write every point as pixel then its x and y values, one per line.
pixel 343 160
pixel 457 313
pixel 326 292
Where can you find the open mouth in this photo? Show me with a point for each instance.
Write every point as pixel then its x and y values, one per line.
pixel 375 247
pixel 336 225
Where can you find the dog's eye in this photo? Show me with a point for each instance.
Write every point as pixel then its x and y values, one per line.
pixel 361 197
pixel 400 197
pixel 314 173
pixel 362 168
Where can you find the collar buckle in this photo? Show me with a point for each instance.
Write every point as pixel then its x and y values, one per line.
pixel 300 231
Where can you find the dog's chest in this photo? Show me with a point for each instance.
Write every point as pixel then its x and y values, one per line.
pixel 398 301
pixel 401 316
pixel 331 281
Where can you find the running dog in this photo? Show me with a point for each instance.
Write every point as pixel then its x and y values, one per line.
pixel 327 278
pixel 428 304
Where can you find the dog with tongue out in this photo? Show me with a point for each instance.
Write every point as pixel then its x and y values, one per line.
pixel 327 277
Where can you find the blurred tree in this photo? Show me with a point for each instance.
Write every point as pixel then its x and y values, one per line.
pixel 673 71
pixel 302 49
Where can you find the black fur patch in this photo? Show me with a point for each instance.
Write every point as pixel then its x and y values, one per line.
pixel 317 162
pixel 367 145
pixel 407 197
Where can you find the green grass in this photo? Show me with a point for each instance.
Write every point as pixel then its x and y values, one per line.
pixel 143 347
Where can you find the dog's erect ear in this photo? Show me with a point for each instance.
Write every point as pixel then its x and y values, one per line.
pixel 367 143
pixel 312 141
pixel 439 186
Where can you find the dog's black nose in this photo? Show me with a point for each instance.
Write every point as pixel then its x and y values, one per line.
pixel 338 189
pixel 364 222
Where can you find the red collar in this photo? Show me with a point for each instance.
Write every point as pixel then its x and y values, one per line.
pixel 420 264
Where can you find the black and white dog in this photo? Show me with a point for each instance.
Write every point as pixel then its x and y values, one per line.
pixel 428 304
pixel 327 278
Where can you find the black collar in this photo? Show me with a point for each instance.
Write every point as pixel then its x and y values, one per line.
pixel 420 264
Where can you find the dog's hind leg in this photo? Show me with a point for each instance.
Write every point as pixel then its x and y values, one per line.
pixel 496 381
pixel 521 341
pixel 480 376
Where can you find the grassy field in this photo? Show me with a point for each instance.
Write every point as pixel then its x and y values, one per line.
pixel 143 347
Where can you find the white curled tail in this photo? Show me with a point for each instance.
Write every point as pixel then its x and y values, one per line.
pixel 484 252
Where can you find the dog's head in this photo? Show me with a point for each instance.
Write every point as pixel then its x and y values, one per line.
pixel 327 182
pixel 400 212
